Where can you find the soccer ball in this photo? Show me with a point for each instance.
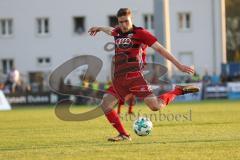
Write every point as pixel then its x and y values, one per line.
pixel 142 126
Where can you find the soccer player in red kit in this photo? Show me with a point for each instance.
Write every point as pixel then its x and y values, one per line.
pixel 130 44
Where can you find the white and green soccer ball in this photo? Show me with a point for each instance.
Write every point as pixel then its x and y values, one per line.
pixel 142 126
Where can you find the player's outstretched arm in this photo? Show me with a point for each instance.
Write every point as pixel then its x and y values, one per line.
pixel 94 30
pixel 159 48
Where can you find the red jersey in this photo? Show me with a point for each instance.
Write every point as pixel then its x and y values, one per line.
pixel 131 47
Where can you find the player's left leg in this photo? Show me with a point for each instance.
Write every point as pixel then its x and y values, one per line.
pixel 160 102
pixel 168 97
pixel 141 88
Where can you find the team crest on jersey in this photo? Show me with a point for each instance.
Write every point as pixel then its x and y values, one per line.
pixel 124 43
pixel 130 35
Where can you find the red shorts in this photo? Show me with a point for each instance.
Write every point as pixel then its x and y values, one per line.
pixel 130 83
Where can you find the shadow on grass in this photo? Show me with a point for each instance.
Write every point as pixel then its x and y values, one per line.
pixel 171 142
pixel 101 144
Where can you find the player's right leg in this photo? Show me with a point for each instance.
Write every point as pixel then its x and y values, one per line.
pixel 107 105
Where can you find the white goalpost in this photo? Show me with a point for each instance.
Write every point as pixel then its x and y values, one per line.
pixel 4 105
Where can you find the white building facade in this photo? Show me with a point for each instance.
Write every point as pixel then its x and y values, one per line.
pixel 44 34
pixel 194 31
pixel 37 36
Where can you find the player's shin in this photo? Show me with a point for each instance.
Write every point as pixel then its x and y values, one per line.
pixel 114 119
pixel 168 97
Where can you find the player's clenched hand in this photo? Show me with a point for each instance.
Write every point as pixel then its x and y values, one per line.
pixel 93 31
pixel 186 69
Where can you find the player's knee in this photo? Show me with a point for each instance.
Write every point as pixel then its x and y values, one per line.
pixel 155 108
pixel 106 105
pixel 161 106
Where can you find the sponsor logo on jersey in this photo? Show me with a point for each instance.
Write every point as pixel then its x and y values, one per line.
pixel 124 43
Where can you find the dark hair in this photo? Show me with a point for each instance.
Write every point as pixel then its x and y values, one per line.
pixel 124 12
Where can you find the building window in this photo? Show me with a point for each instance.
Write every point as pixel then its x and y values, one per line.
pixel 6 27
pixel 36 80
pixel 43 26
pixel 79 25
pixel 44 61
pixel 112 21
pixel 148 21
pixel 184 21
pixel 7 65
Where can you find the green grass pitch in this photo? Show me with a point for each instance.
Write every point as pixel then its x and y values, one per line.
pixel 205 130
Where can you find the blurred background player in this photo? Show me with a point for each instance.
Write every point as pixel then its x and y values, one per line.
pixel 130 100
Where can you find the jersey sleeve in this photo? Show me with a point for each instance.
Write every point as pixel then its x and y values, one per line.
pixel 147 37
pixel 115 32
